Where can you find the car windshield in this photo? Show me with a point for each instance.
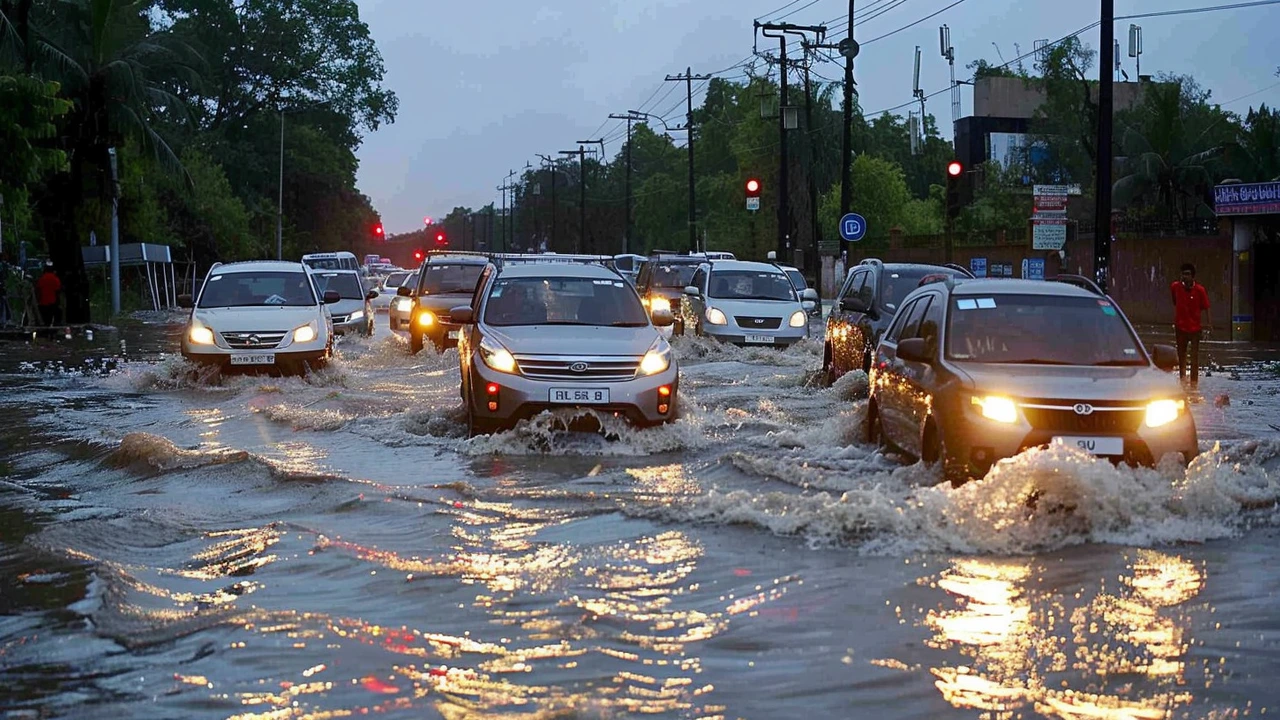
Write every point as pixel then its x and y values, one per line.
pixel 797 279
pixel 346 285
pixel 564 301
pixel 330 264
pixel 249 289
pixel 1040 330
pixel 672 276
pixel 897 284
pixel 751 285
pixel 395 280
pixel 445 279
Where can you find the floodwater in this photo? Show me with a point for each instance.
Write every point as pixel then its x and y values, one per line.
pixel 176 546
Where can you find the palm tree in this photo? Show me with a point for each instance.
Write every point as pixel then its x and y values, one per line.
pixel 110 63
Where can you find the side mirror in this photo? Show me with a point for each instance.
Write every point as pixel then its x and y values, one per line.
pixel 331 297
pixel 1165 357
pixel 403 291
pixel 809 294
pixel 853 304
pixel 185 301
pixel 372 294
pixel 808 305
pixel 463 315
pixel 692 290
pixel 663 318
pixel 914 350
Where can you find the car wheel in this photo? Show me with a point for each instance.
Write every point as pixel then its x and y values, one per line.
pixel 874 433
pixel 934 450
pixel 829 366
pixel 415 342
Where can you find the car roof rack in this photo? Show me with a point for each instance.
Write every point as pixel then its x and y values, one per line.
pixel 956 266
pixel 872 261
pixel 463 253
pixel 1081 281
pixel 502 259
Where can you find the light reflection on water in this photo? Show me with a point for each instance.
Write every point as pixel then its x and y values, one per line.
pixel 1120 654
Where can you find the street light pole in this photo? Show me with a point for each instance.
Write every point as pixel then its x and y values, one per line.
pixel 280 198
pixel 1102 209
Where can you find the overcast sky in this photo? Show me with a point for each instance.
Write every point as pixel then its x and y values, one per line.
pixel 485 85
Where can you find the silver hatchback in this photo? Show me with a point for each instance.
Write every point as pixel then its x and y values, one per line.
pixel 541 336
pixel 747 303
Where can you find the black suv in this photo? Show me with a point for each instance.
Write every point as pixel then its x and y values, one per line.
pixel 866 305
pixel 662 280
pixel 446 280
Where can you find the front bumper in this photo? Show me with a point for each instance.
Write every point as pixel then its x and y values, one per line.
pixel 520 398
pixel 358 325
pixel 784 336
pixel 976 443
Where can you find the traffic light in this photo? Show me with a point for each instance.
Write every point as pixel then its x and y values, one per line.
pixel 440 240
pixel 955 175
pixel 377 230
pixel 417 256
pixel 753 194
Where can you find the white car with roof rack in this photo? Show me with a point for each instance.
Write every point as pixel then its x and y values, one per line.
pixel 746 303
pixel 259 314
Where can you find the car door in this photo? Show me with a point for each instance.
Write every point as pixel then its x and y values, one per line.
pixel 920 380
pixel 693 307
pixel 892 380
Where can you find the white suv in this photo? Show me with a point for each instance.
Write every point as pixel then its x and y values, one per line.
pixel 263 314
pixel 746 303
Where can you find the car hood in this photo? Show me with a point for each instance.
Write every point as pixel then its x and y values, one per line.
pixel 1070 382
pixel 260 319
pixel 442 304
pixel 346 306
pixel 575 339
pixel 755 308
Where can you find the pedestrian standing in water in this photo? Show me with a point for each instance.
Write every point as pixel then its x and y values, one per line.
pixel 1190 319
pixel 47 289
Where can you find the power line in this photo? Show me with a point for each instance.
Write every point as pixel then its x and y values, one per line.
pixel 911 25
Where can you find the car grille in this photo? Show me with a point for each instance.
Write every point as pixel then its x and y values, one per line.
pixel 254 340
pixel 597 369
pixel 1104 419
pixel 757 323
pixel 339 319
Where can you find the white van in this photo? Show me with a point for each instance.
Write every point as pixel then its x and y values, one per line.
pixel 331 261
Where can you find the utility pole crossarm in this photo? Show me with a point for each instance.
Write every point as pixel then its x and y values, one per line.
pixel 687 78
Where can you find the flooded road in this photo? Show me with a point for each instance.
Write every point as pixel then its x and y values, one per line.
pixel 175 546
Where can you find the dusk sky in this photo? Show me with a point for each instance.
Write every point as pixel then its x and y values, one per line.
pixel 485 85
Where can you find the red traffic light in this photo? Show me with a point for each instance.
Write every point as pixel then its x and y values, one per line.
pixel 753 187
pixel 954 168
pixel 377 230
pixel 440 237
pixel 417 255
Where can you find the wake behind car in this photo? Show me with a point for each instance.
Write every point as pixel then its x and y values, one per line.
pixel 354 311
pixel 446 280
pixel 974 371
pixel 263 314
pixel 866 305
pixel 544 335
pixel 746 303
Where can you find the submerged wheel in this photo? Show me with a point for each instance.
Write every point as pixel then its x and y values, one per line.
pixel 934 450
pixel 415 342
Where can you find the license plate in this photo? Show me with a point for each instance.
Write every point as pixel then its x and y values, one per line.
pixel 760 339
pixel 580 396
pixel 453 334
pixel 1095 445
pixel 255 359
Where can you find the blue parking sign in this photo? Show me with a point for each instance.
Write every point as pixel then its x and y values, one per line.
pixel 853 227
pixel 978 266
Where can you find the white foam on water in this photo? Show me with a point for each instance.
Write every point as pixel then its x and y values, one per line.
pixel 851 386
pixel 306 418
pixel 694 348
pixel 548 434
pixel 156 453
pixel 1078 500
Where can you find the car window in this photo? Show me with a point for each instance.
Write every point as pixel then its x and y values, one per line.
pixel 395 280
pixel 750 285
pixel 844 289
pixel 867 288
pixel 911 327
pixel 646 269
pixel 252 289
pixel 699 279
pixel 896 330
pixel 442 278
pixel 564 301
pixel 345 284
pixel 896 284
pixel 1040 329
pixel 672 275
pixel 933 319
pixel 481 287
pixel 797 279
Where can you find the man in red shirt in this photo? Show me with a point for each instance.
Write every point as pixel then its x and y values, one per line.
pixel 47 289
pixel 1190 304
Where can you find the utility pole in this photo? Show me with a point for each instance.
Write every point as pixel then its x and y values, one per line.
pixel 1102 215
pixel 785 121
pixel 688 77
pixel 508 221
pixel 630 117
pixel 280 196
pixel 551 165
pixel 814 230
pixel 115 233
pixel 581 152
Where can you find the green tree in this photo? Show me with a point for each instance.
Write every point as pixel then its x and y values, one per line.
pixel 1065 125
pixel 881 189
pixel 1256 154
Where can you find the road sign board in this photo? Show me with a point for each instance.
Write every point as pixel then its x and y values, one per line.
pixel 853 227
pixel 753 203
pixel 1062 190
pixel 1050 204
pixel 1048 234
pixel 1033 269
pixel 978 266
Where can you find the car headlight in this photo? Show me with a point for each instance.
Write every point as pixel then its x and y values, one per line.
pixel 306 333
pixel 403 304
pixel 999 409
pixel 799 319
pixel 658 359
pixel 498 358
pixel 357 315
pixel 1163 412
pixel 659 303
pixel 715 317
pixel 426 319
pixel 200 335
